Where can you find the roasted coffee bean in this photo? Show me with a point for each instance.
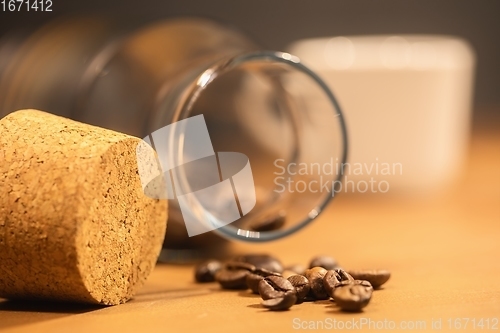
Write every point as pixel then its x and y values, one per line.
pixel 309 297
pixel 333 278
pixel 274 287
pixel 301 285
pixel 352 296
pixel 252 281
pixel 344 276
pixel 323 261
pixel 297 269
pixel 315 276
pixel 283 302
pixel 231 277
pixel 363 283
pixel 330 281
pixel 267 291
pixel 239 265
pixel 279 283
pixel 264 261
pixel 205 271
pixel 270 223
pixel 254 278
pixel 376 277
pixel 265 272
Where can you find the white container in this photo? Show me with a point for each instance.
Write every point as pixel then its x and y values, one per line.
pixel 407 104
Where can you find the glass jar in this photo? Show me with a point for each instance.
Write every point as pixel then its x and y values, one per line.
pixel 263 104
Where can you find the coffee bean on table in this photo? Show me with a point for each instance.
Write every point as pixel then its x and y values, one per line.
pixel 239 265
pixel 284 302
pixel 301 285
pixel 233 275
pixel 264 261
pixel 270 223
pixel 205 271
pixel 352 296
pixel 334 280
pixel 232 278
pixel 252 281
pixel 253 278
pixel 315 276
pixel 363 283
pixel 263 274
pixel 376 277
pixel 267 291
pixel 274 287
pixel 330 281
pixel 343 275
pixel 323 261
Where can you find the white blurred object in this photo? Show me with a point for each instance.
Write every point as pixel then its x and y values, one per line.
pixel 406 100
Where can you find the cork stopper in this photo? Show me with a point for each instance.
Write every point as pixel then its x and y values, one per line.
pixel 75 224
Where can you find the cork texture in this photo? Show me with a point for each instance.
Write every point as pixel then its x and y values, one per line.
pixel 75 224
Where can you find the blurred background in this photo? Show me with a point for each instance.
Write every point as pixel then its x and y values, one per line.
pixel 275 24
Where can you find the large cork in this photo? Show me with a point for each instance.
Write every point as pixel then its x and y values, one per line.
pixel 75 224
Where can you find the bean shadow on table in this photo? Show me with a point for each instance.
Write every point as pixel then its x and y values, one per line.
pixel 334 309
pixel 22 312
pixel 247 293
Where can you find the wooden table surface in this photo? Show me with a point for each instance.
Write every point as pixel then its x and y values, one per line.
pixel 443 251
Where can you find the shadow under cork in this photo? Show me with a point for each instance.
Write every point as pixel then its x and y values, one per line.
pixel 22 312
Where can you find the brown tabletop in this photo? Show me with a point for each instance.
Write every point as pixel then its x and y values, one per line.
pixel 443 251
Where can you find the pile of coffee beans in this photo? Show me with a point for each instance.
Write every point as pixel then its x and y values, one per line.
pixel 282 287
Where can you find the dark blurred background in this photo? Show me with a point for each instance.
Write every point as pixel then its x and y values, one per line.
pixel 274 24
